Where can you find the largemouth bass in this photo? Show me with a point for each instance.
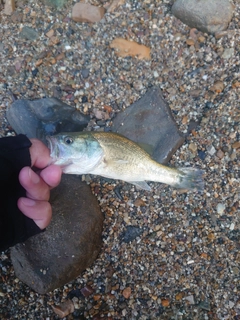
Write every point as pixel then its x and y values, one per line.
pixel 113 156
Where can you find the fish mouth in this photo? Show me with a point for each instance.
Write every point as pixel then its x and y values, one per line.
pixel 52 145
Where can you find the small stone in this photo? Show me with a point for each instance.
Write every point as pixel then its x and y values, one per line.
pixel 97 297
pixel 55 3
pixel 220 154
pixel 211 236
pixel 127 292
pixel 9 7
pixel 87 291
pixel 211 150
pixel 64 309
pixel 228 53
pixel 217 87
pixel 165 302
pixel 236 145
pixel 38 62
pixel 131 233
pixel 185 120
pixel 236 84
pixel 192 147
pixel 204 255
pixel 50 33
pixel 126 48
pixel 205 305
pixel 84 12
pixel 139 203
pixel 190 299
pixel 190 42
pixel 115 4
pixel 195 92
pixel 179 296
pixel 29 33
pixel 17 17
pixel 85 73
pixel 201 39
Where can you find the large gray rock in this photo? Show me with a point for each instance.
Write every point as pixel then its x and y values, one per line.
pixel 69 245
pixel 47 116
pixel 205 15
pixel 150 123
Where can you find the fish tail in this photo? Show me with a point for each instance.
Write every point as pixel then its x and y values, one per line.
pixel 190 178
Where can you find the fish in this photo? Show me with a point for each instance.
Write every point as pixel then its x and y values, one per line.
pixel 114 156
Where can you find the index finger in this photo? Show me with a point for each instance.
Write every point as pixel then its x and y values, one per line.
pixel 40 154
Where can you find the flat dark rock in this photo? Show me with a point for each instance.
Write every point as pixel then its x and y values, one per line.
pixel 47 116
pixel 150 123
pixel 69 245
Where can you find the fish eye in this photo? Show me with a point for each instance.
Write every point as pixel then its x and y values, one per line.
pixel 68 140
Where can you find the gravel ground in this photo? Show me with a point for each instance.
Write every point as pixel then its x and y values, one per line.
pixel 165 254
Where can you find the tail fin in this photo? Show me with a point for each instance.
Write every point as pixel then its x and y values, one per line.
pixel 190 178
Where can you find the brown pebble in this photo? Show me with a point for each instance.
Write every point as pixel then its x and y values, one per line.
pixel 139 203
pixel 185 120
pixel 204 255
pixel 60 56
pixel 179 296
pixel 50 33
pixel 236 84
pixel 201 39
pixel 220 154
pixel 97 297
pixel 217 87
pixel 236 145
pixel 211 236
pixel 190 42
pixel 192 147
pixel 38 62
pixel 87 291
pixel 165 302
pixel 195 92
pixel 193 34
pixel 127 292
pixel 85 12
pixel 64 309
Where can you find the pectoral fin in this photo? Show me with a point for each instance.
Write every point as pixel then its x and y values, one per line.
pixel 141 184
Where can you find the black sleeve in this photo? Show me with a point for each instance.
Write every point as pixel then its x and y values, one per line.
pixel 14 225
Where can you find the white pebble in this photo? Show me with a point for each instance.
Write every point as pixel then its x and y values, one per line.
pixel 221 208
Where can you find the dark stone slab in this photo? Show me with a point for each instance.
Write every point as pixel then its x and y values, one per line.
pixel 69 245
pixel 47 116
pixel 150 123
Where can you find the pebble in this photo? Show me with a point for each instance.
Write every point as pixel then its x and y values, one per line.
pixel 9 7
pixel 211 150
pixel 220 208
pixel 127 292
pixel 228 53
pixel 85 12
pixel 193 147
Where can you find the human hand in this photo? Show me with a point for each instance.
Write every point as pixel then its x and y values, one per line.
pixel 37 186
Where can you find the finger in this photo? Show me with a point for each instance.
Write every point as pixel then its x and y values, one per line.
pixel 52 175
pixel 40 154
pixel 34 185
pixel 39 211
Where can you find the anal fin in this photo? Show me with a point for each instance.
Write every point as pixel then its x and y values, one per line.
pixel 141 184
